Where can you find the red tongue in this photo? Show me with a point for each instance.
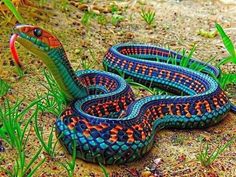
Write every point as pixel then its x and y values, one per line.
pixel 13 49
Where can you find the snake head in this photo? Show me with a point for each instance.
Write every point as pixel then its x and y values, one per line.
pixel 35 39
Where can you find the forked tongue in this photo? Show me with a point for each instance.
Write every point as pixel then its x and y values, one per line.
pixel 13 50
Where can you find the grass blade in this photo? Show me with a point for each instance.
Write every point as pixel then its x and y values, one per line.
pixel 35 157
pixel 106 174
pixel 226 40
pixel 13 9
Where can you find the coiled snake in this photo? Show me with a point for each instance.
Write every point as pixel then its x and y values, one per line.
pixel 103 118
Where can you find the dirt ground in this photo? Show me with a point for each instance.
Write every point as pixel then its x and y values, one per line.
pixel 176 25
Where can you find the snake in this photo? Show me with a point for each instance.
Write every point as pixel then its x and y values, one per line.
pixel 103 120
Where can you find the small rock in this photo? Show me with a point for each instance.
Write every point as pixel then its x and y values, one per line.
pixel 146 174
pixel 130 35
pixel 133 171
pixel 157 161
pixel 101 9
pixel 210 174
pixel 182 158
pixel 2 149
pixel 83 7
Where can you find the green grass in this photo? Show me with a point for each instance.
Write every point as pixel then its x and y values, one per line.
pixel 4 87
pixel 116 19
pixel 48 146
pixel 70 165
pixel 85 64
pixel 228 45
pixel 206 158
pixel 53 101
pixel 185 61
pixel 21 168
pixel 148 16
pixel 20 72
pixel 114 8
pixel 14 132
pixel 226 79
pixel 14 11
pixel 10 118
pixel 104 170
pixel 101 19
pixel 86 18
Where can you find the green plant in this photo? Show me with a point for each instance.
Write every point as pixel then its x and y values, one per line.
pixel 22 169
pixel 10 118
pixel 102 19
pixel 185 61
pixel 85 20
pixel 53 101
pixel 12 133
pixel 116 18
pixel 201 67
pixel 226 79
pixel 70 166
pixel 63 5
pixel 106 174
pixel 148 16
pixel 228 45
pixel 4 87
pixel 20 72
pixel 86 65
pixel 13 9
pixel 114 8
pixel 48 146
pixel 207 158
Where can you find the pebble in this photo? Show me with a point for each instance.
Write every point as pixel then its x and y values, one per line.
pixel 133 171
pixel 157 161
pixel 146 173
pixel 2 149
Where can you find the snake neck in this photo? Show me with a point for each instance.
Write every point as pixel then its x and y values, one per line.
pixel 60 67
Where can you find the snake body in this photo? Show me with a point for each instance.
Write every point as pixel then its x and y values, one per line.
pixel 105 121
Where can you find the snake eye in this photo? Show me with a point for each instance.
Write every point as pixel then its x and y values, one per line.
pixel 37 32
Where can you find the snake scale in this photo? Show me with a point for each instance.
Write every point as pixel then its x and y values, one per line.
pixel 103 118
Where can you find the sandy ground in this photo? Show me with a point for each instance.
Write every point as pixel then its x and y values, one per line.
pixel 176 23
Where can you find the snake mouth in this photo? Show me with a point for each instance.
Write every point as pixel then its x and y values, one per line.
pixel 31 43
pixel 13 40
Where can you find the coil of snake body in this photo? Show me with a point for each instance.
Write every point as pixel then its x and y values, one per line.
pixel 103 118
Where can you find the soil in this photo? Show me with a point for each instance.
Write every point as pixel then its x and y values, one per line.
pixel 175 26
